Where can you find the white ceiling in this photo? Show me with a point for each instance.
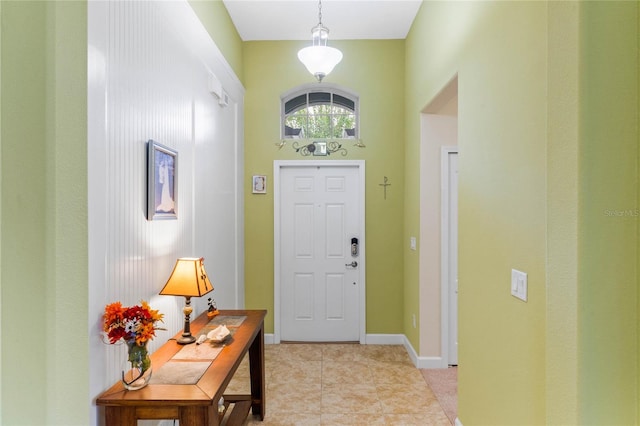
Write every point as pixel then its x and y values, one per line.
pixel 346 19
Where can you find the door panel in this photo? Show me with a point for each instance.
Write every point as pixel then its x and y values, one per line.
pixel 335 297
pixel 303 296
pixel 334 231
pixel 303 229
pixel 319 214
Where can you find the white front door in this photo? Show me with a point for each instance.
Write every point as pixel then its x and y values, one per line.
pixel 320 275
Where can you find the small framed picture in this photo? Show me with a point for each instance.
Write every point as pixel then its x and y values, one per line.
pixel 162 172
pixel 259 184
pixel 321 148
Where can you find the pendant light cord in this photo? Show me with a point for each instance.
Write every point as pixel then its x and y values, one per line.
pixel 320 11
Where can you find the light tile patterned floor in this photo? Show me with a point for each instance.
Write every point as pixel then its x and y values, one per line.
pixel 342 384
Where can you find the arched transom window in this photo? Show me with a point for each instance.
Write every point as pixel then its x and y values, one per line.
pixel 320 113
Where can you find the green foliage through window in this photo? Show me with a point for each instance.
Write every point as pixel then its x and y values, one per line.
pixel 320 115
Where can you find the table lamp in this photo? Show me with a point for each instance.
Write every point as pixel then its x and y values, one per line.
pixel 188 279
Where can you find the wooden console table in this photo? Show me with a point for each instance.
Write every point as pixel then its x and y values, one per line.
pixel 197 404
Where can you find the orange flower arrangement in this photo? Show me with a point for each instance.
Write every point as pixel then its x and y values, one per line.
pixel 132 324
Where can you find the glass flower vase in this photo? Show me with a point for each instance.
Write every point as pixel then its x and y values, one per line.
pixel 136 369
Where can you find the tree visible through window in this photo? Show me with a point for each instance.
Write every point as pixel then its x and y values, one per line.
pixel 325 114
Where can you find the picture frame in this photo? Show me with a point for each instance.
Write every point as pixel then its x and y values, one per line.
pixel 321 148
pixel 259 184
pixel 162 182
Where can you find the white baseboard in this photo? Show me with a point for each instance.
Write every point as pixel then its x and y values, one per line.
pixel 370 339
pixel 384 339
pixel 391 339
pixel 429 362
pixel 458 422
pixel 422 361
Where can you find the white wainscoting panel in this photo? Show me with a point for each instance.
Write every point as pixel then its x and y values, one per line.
pixel 148 72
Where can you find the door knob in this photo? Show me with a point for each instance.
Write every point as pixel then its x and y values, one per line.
pixel 352 264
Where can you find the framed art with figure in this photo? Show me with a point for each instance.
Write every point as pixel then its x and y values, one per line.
pixel 162 166
pixel 259 184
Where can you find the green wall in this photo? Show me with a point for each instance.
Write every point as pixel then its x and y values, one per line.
pixel 215 18
pixel 375 71
pixel 1 399
pixel 23 203
pixel 44 206
pixel 548 137
pixel 562 214
pixel 608 231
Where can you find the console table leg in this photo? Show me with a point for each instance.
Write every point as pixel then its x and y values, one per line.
pixel 122 416
pixel 256 367
pixel 199 416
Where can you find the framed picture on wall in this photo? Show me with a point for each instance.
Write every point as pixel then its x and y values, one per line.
pixel 162 173
pixel 259 184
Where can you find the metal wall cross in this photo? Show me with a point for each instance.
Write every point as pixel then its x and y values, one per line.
pixel 385 184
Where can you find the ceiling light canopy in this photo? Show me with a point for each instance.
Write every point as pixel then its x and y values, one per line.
pixel 319 58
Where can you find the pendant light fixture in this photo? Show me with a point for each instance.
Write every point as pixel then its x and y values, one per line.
pixel 320 58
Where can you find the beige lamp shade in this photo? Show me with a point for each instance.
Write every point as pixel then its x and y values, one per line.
pixel 188 279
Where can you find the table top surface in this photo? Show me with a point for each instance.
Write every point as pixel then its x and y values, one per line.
pixel 215 379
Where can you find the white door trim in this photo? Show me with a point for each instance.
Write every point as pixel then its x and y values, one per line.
pixel 444 251
pixel 278 165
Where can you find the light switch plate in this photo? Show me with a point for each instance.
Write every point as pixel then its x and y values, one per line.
pixel 412 243
pixel 519 284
